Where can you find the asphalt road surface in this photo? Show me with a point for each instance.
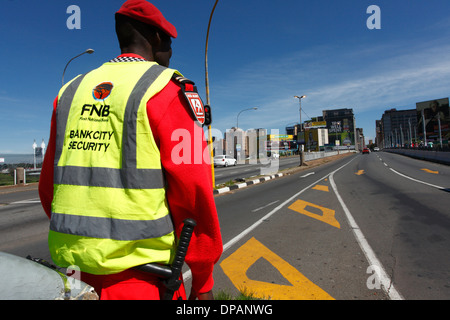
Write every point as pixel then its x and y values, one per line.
pixel 365 227
pixel 362 227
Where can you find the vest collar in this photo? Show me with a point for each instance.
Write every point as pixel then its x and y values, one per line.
pixel 128 57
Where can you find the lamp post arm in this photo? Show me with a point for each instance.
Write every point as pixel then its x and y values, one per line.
pixel 67 64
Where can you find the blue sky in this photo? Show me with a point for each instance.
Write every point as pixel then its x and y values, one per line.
pixel 261 53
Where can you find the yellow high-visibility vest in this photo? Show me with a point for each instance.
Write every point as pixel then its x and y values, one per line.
pixel 109 209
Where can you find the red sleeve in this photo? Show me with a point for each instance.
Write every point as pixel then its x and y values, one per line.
pixel 189 183
pixel 46 178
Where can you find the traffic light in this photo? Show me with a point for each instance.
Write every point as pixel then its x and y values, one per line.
pixel 208 116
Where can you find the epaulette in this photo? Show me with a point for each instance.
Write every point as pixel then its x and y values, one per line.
pixel 182 79
pixel 201 112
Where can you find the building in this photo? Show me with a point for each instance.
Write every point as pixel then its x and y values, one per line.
pixel 360 143
pixel 378 133
pixel 433 117
pixel 293 130
pixel 242 145
pixel 341 127
pixel 398 128
pixel 316 139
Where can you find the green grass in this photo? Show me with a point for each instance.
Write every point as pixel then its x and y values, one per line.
pixel 7 179
pixel 244 294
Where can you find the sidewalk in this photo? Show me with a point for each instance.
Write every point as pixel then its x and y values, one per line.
pixel 18 188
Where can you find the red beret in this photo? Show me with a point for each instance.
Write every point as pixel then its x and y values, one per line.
pixel 146 12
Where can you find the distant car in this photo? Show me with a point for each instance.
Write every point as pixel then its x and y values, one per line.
pixel 224 161
pixel 365 150
pixel 376 149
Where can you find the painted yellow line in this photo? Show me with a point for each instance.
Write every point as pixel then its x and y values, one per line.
pixel 321 188
pixel 430 171
pixel 327 214
pixel 237 264
pixel 360 172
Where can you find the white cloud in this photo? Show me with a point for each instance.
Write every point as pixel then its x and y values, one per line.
pixel 363 80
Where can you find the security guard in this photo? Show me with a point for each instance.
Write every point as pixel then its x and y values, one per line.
pixel 112 181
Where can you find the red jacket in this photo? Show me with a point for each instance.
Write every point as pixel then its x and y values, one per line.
pixel 189 186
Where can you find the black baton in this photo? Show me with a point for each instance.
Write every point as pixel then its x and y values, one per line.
pixel 171 274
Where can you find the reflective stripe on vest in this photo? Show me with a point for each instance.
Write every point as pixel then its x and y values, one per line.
pixel 109 214
pixel 139 178
pixel 104 228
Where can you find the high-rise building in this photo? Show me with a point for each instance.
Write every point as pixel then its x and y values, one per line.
pixel 398 127
pixel 341 127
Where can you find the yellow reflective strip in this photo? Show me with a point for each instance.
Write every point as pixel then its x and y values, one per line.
pixel 133 204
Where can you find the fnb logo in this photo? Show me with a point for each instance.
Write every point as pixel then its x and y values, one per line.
pixel 102 91
pixel 103 111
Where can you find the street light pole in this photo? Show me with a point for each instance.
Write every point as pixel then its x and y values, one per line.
pixel 211 150
pixel 440 132
pixel 34 153
pixel 424 128
pixel 87 51
pixel 237 118
pixel 300 152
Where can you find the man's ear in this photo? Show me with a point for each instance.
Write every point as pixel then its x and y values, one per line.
pixel 155 41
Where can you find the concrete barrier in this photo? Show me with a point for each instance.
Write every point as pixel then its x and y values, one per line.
pixel 435 156
pixel 20 178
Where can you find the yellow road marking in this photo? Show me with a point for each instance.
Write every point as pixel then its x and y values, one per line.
pixel 430 171
pixel 237 264
pixel 321 188
pixel 327 214
pixel 360 172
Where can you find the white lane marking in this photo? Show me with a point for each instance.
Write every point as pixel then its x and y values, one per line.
pixel 263 207
pixel 420 181
pixel 308 174
pixel 35 200
pixel 386 282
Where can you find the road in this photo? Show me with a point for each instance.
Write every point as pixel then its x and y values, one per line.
pixel 242 171
pixel 23 223
pixel 332 233
pixel 362 227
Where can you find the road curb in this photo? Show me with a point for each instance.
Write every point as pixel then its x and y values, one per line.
pixel 245 184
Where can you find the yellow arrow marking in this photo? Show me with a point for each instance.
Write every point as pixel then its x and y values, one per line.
pixel 430 171
pixel 360 172
pixel 327 214
pixel 321 188
pixel 237 264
